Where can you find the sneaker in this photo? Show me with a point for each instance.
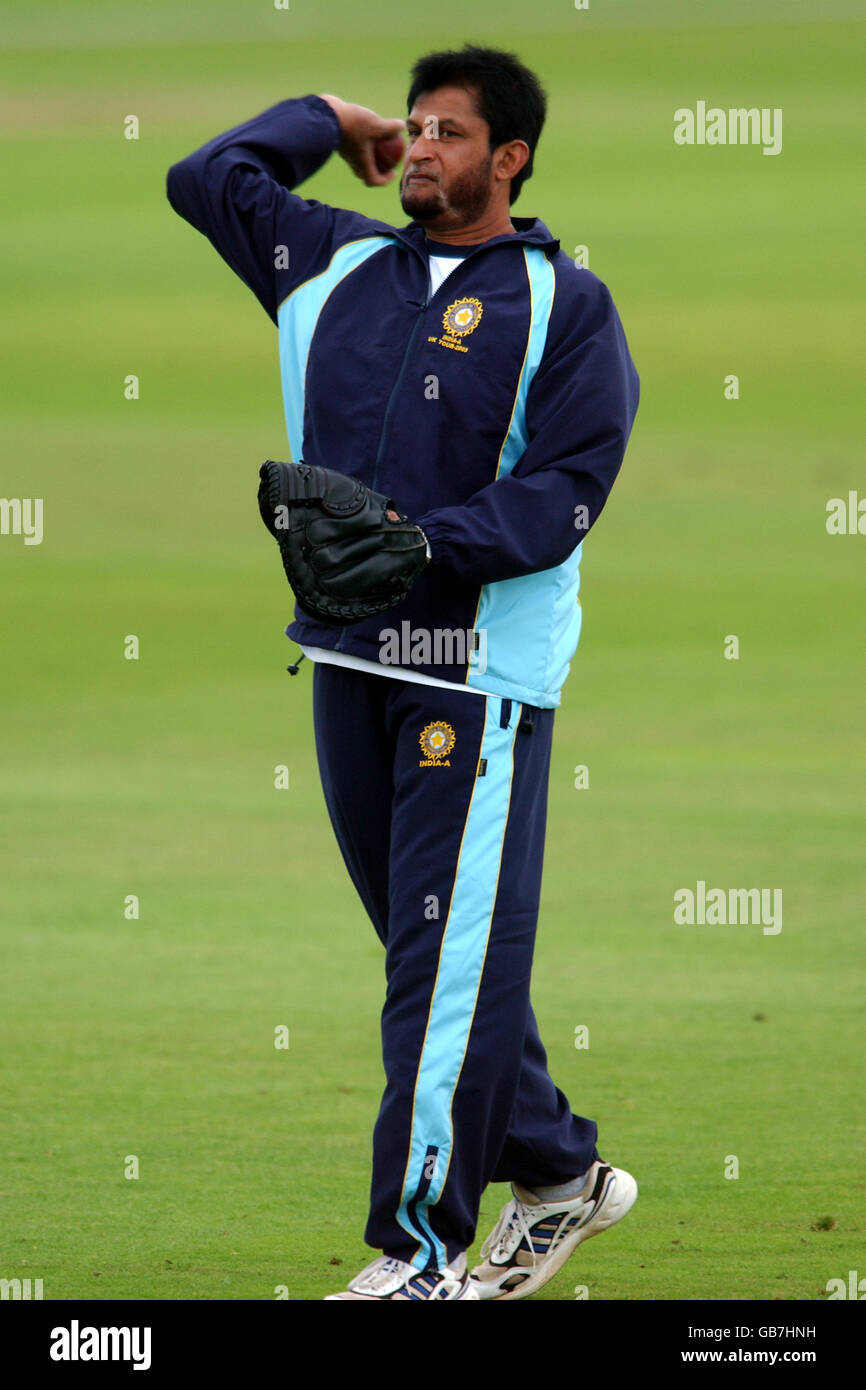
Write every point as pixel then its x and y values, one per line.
pixel 388 1278
pixel 533 1239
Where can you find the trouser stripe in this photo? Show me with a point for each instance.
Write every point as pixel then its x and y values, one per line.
pixel 458 979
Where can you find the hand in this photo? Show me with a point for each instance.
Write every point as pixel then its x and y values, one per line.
pixel 393 516
pixel 361 129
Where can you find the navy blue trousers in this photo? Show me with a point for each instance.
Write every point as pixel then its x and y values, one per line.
pixel 438 799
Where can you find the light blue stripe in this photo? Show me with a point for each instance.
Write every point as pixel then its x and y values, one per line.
pixel 532 623
pixel 541 287
pixel 461 962
pixel 297 317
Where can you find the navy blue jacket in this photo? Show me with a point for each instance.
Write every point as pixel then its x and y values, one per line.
pixel 495 413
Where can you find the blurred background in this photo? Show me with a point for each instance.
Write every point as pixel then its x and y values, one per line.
pixel 152 1037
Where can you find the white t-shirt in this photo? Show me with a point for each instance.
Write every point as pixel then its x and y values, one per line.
pixel 376 668
pixel 440 268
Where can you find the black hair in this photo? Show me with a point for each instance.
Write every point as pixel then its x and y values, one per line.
pixel 510 98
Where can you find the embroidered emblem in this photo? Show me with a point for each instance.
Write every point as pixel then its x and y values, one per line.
pixel 437 741
pixel 462 317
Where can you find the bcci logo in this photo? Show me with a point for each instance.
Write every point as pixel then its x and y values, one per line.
pixel 462 317
pixel 437 741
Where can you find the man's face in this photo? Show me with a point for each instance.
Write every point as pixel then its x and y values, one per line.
pixel 447 172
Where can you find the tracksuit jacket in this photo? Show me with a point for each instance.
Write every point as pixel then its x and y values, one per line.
pixel 495 412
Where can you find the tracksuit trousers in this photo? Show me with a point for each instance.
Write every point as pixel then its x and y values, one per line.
pixel 438 799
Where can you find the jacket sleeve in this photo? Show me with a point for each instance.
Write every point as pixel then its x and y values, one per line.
pixel 236 190
pixel 579 412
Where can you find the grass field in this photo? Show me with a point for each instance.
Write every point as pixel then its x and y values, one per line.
pixel 154 1037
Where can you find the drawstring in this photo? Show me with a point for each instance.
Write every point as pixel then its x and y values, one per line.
pixel 293 670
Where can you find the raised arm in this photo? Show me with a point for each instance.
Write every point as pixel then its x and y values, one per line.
pixel 236 189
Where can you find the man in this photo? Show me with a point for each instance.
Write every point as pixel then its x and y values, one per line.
pixel 464 367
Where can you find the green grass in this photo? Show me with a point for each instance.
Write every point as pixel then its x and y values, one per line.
pixel 155 1037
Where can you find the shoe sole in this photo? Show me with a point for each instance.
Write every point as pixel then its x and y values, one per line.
pixel 612 1209
pixel 469 1294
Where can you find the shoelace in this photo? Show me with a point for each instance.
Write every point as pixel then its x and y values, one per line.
pixel 516 1220
pixel 384 1274
pixel 510 1220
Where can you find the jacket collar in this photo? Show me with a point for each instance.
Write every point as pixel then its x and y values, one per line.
pixel 526 229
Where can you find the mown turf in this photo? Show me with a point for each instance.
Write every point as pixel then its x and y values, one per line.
pixel 155 1037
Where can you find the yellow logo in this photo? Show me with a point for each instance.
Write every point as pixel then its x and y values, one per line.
pixel 462 317
pixel 436 742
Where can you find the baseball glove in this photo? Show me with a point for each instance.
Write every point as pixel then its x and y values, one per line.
pixel 344 556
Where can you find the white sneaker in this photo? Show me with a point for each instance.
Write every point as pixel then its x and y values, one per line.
pixel 533 1239
pixel 386 1278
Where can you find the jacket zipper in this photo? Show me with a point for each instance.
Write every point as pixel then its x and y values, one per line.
pixel 389 409
pixel 392 399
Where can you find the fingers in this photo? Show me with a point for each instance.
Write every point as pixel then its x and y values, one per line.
pixel 366 168
pixel 362 163
pixel 362 128
pixel 389 127
pixel 380 129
